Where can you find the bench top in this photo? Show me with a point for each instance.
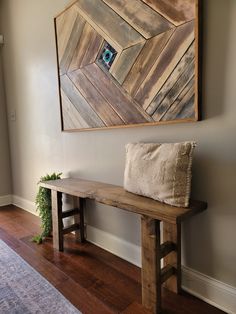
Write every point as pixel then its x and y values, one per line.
pixel 116 196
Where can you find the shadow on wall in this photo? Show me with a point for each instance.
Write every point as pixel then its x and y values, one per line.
pixel 215 47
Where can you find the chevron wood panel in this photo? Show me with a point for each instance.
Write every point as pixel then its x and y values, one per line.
pixel 95 99
pixel 124 105
pixel 102 17
pixel 165 64
pixel 145 61
pixel 86 49
pixel 126 63
pixel 174 80
pixel 71 117
pixel 146 21
pixel 74 40
pixel 64 25
pixel 176 11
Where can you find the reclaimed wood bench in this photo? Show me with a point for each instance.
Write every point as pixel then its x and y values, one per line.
pixel 152 214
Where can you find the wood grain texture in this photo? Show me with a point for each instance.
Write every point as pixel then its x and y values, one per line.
pixel 141 17
pixel 86 49
pixel 84 109
pixel 64 25
pixel 154 43
pixel 170 57
pixel 125 62
pixel 166 248
pixel 95 99
pixel 184 63
pixel 145 61
pixel 136 308
pixel 163 107
pixel 102 17
pixel 127 109
pixel 72 44
pixel 183 107
pixel 81 220
pixel 71 117
pixel 57 220
pixel 116 196
pixel 172 233
pixel 167 272
pixel 151 264
pixel 93 49
pixel 77 218
pixel 177 11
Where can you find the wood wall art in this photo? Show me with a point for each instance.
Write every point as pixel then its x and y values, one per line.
pixel 128 62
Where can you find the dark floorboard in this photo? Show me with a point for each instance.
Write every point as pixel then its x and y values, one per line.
pixel 94 280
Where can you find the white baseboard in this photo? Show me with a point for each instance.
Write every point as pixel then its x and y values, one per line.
pixel 208 289
pixel 204 287
pixel 24 204
pixel 5 200
pixel 126 250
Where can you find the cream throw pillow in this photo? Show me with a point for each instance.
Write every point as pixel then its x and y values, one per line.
pixel 160 171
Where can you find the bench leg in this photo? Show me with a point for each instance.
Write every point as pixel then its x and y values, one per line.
pixel 81 218
pixel 57 223
pixel 151 265
pixel 172 233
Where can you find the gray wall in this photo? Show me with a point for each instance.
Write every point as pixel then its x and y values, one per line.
pixel 38 146
pixel 5 173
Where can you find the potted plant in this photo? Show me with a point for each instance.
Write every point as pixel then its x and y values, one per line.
pixel 44 207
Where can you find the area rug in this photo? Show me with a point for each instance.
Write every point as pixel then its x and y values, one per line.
pixel 24 291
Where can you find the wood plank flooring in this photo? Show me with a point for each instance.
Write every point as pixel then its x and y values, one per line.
pixel 95 281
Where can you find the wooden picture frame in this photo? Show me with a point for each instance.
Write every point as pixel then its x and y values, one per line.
pixel 125 64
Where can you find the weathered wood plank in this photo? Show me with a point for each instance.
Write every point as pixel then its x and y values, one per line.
pixel 71 45
pixel 177 12
pixel 165 64
pixel 71 118
pixel 93 49
pixel 172 232
pixel 64 25
pixel 120 102
pixel 87 36
pixel 95 99
pixel 125 62
pixel 167 272
pixel 151 264
pixel 183 107
pixel 173 78
pixel 144 68
pixel 166 248
pixel 173 94
pixel 145 61
pixel 82 205
pixel 76 216
pixel 74 227
pixel 70 213
pixel 84 109
pixel 57 220
pixel 104 19
pixel 144 19
pixel 116 196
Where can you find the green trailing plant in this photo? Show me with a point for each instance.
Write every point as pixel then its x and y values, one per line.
pixel 44 207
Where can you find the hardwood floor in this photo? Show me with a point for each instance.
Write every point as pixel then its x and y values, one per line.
pixel 95 281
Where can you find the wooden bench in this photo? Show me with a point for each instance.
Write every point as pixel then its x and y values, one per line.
pixel 152 214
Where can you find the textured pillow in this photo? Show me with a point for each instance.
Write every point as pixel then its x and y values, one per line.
pixel 160 171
